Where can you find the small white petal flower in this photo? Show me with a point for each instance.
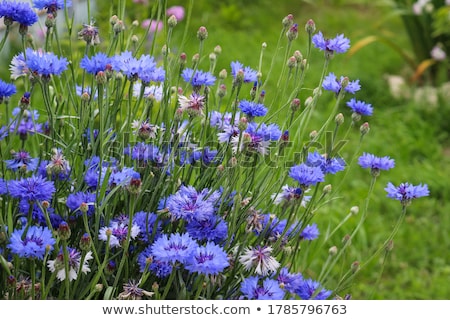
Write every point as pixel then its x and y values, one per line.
pixel 260 258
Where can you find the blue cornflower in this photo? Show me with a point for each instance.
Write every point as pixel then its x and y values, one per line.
pixel 252 109
pixel 312 290
pixel 360 107
pixel 306 176
pixel 126 63
pixel 327 165
pixel 148 71
pixel 290 195
pixel 310 232
pixel 210 259
pixel 250 75
pixel 81 201
pixel 189 204
pixel 37 63
pixel 268 290
pixel 95 64
pixel 406 192
pixel 198 78
pixel 257 137
pixel 223 121
pixel 3 187
pixel 375 164
pixel 339 44
pixel 146 260
pixel 123 177
pixel 22 160
pixel 173 248
pixel 38 215
pixel 331 83
pixel 92 177
pixel 148 224
pixel 34 244
pixel 289 281
pixel 6 90
pixel 3 132
pixel 272 227
pixel 212 228
pixel 34 188
pixel 17 11
pixel 52 5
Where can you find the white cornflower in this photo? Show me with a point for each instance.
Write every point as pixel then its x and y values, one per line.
pixel 260 258
pixel 74 264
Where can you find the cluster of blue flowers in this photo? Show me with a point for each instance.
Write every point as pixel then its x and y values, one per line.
pixel 154 199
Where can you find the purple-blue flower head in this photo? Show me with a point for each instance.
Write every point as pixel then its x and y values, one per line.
pixel 6 90
pixel 17 11
pixel 148 224
pixel 3 187
pixel 38 63
pixel 189 204
pixel 81 201
pixel 312 290
pixel 360 107
pixel 23 161
pixel 52 5
pixel 375 164
pixel 290 282
pixel 33 244
pixel 306 176
pixel 198 78
pixel 269 289
pixel 338 44
pixel 310 232
pixel 208 260
pixel 328 165
pixel 331 83
pixel 250 75
pixel 96 63
pixel 252 109
pixel 34 188
pixel 406 192
pixel 173 248
pixel 211 228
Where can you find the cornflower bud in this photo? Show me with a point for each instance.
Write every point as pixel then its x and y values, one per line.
pixel 292 62
pixel 113 20
pixel 288 21
pixel 310 27
pixel 50 21
pixel 364 129
pixel 262 95
pixel 218 50
pixel 221 91
pixel 135 23
pixel 298 56
pixel 64 230
pixel 100 77
pixel 134 39
pixel 354 210
pixel 389 246
pixel 223 74
pixel 243 124
pixel 339 119
pixel 172 21
pixel 327 189
pixel 212 57
pixel 85 242
pixel 355 266
pixel 295 104
pixel 119 27
pixel 195 58
pixel 292 33
pixel 165 50
pixel 202 33
pixel 313 135
pixel 333 251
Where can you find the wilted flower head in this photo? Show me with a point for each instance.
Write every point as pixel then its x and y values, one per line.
pixel 193 105
pixel 89 33
pixel 131 291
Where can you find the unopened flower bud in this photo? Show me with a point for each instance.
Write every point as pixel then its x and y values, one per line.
pixel 100 77
pixel 195 58
pixel 365 128
pixel 45 204
pixel 223 74
pixel 155 286
pixel 313 135
pixel 85 242
pixel 310 27
pixel 354 210
pixel 308 101
pixel 288 21
pixel 221 91
pixel 292 62
pixel 339 119
pixel 172 21
pixel 298 56
pixel 292 33
pixel 98 287
pixel 218 50
pixel 119 27
pixel 295 104
pixel 134 38
pixel 165 50
pixel 135 23
pixel 64 230
pixel 243 124
pixel 113 20
pixel 202 33
pixel 85 97
pixel 212 57
pixel 233 162
pixel 356 117
pixel 327 189
pixel 50 21
pixel 344 83
pixel 355 266
pixel 333 251
pixel 346 239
